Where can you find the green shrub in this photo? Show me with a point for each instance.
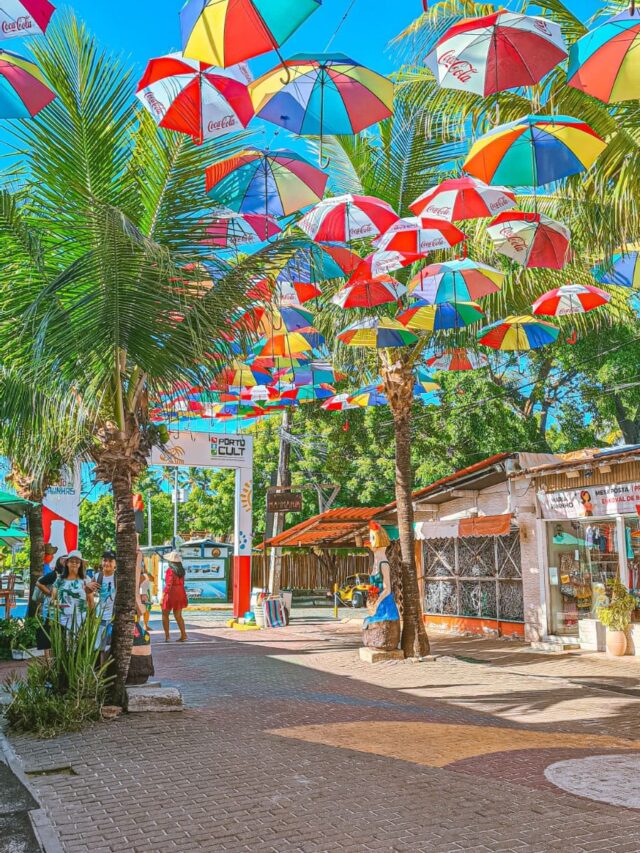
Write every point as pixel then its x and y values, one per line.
pixel 17 634
pixel 616 616
pixel 63 692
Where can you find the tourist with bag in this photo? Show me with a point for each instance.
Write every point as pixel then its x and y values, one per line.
pixel 175 596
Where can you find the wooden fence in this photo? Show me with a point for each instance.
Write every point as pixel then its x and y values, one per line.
pixel 308 571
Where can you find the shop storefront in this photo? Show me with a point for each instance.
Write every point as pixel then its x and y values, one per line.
pixel 589 520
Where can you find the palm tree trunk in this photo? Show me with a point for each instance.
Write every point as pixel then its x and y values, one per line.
pixel 36 557
pixel 398 386
pixel 125 603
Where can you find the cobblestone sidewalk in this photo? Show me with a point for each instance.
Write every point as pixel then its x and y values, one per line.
pixel 289 742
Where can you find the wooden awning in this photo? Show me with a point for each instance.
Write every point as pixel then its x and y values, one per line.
pixel 483 525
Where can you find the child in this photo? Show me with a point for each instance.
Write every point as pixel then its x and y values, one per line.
pixel 145 596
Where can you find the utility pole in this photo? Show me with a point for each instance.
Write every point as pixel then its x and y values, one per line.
pixel 175 507
pixel 149 522
pixel 284 479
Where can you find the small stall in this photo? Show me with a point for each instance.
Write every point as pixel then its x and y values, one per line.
pixel 207 566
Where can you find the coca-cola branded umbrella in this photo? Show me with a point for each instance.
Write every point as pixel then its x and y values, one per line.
pixel 571 299
pixel 20 18
pixel 196 98
pixel 348 217
pixel 369 293
pixel 229 230
pixel 417 236
pixel 381 263
pixel 500 51
pixel 533 240
pixel 463 198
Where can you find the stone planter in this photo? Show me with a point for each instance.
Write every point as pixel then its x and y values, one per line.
pixel 616 643
pixel 592 635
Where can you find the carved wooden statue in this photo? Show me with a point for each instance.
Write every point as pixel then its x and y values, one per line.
pixel 381 629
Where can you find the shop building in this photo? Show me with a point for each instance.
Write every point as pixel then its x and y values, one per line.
pixel 588 533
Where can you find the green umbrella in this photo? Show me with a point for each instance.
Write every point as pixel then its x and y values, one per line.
pixel 12 508
pixel 13 536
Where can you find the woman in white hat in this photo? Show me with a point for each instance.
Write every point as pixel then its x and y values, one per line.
pixel 70 593
pixel 174 597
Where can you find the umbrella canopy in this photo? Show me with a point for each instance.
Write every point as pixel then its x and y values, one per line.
pixel 283 292
pixel 458 359
pixel 326 93
pixel 230 230
pixel 290 344
pixel 312 263
pixel 23 91
pixel 275 183
pixel 12 508
pixel 426 317
pixel 463 198
pixel 370 395
pixel 419 236
pixel 348 217
pixel 534 150
pixel 13 536
pixel 622 268
pixel 380 263
pixel 300 394
pixel 196 98
pixel 224 32
pixel 20 18
pixel 497 52
pixel 533 240
pixel 313 373
pixel 377 333
pixel 339 403
pixel 571 299
pixel 463 280
pixel 273 320
pixel 424 382
pixel 604 62
pixel 369 293
pixel 241 375
pixel 519 334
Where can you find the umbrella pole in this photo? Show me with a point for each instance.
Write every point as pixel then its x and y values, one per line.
pixel 323 164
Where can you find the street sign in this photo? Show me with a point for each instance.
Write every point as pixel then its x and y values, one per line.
pixel 284 501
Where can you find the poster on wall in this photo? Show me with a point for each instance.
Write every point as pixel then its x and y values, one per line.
pixel 61 512
pixel 592 502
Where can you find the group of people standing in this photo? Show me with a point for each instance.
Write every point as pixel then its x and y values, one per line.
pixel 74 590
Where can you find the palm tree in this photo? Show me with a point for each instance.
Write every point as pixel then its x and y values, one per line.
pixel 101 301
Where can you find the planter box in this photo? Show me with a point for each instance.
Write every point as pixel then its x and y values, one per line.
pixel 592 635
pixel 26 654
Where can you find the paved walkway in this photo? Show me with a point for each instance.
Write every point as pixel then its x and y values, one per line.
pixel 289 742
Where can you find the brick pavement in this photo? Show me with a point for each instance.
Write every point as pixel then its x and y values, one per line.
pixel 244 768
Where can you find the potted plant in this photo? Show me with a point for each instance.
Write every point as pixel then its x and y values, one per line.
pixel 616 617
pixel 23 638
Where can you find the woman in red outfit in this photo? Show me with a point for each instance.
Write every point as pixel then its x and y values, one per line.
pixel 175 597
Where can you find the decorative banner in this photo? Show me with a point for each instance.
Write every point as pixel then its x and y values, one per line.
pixel 61 513
pixel 200 450
pixel 594 501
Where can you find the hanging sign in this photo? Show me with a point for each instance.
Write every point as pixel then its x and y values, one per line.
pixel 595 501
pixel 284 501
pixel 61 513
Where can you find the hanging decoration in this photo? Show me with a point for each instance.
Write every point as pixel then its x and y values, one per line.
pixel 533 240
pixel 519 334
pixel 463 198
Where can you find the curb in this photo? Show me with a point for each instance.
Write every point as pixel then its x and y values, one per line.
pixel 43 830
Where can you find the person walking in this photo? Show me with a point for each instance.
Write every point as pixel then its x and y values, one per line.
pixel 174 597
pixel 71 594
pixel 42 597
pixel 105 586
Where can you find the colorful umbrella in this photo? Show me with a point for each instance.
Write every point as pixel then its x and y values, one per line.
pixel 500 51
pixel 571 299
pixel 339 403
pixel 328 93
pixel 381 263
pixel 275 183
pixel 377 332
pixel 290 344
pixel 463 198
pixel 313 373
pixel 604 62
pixel 273 320
pixel 621 269
pixel 195 98
pixel 462 280
pixel 23 92
pixel 312 263
pixel 369 293
pixel 370 395
pixel 224 32
pixel 426 317
pixel 520 334
pixel 241 375
pixel 458 360
pixel 283 292
pixel 230 230
pixel 348 217
pixel 534 150
pixel 20 18
pixel 424 382
pixel 531 239
pixel 419 236
pixel 300 394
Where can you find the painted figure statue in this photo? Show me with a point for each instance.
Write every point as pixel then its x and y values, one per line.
pixel 381 629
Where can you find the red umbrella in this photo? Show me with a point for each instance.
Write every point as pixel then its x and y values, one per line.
pixel 237 229
pixel 463 198
pixel 348 217
pixel 531 239
pixel 571 299
pixel 419 236
pixel 380 263
pixel 369 293
pixel 285 293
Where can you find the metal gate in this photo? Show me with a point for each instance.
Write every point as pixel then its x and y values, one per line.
pixel 478 576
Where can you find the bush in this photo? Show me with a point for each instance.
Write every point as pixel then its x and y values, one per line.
pixel 17 634
pixel 63 692
pixel 616 616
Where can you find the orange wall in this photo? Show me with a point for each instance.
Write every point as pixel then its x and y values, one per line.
pixel 473 625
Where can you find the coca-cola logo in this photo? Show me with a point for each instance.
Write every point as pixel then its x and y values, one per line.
pixel 363 231
pixel 459 68
pixel 155 105
pixel 503 201
pixel 221 123
pixel 517 243
pixel 438 212
pixel 437 243
pixel 541 25
pixel 24 22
